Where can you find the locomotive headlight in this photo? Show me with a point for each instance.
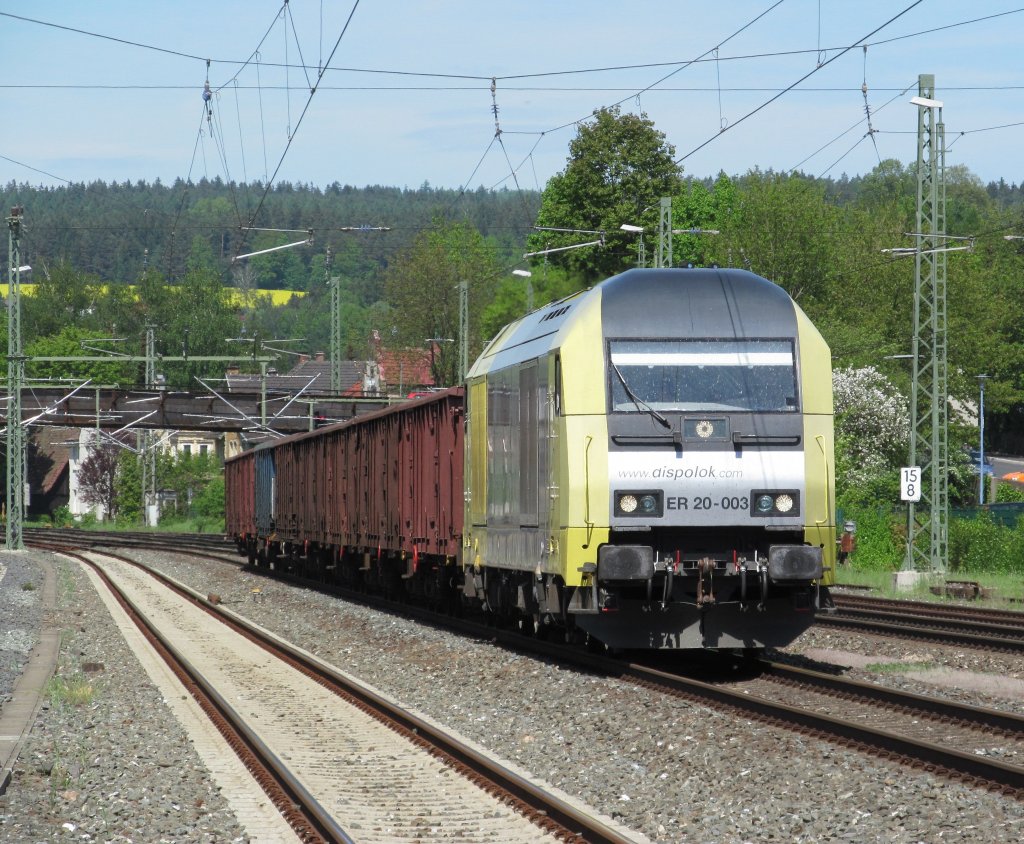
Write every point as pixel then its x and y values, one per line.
pixel 639 503
pixel 768 503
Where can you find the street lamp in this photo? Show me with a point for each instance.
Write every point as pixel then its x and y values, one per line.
pixel 981 438
pixel 641 257
pixel 529 287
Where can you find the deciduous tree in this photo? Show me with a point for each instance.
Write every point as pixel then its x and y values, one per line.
pixel 97 478
pixel 422 284
pixel 618 169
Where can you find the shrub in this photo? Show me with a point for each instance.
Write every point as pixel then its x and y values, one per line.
pixel 872 432
pixel 880 538
pixel 980 546
pixel 61 517
pixel 1007 493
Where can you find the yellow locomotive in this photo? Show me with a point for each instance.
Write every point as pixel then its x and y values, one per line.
pixel 649 464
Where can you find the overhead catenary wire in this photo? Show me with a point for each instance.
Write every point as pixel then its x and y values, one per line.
pixel 636 93
pixel 312 92
pixel 867 106
pixel 547 89
pixel 847 131
pixel 718 59
pixel 241 63
pixel 790 87
pixel 681 66
pixel 36 170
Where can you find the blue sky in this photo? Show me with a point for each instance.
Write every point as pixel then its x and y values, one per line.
pixel 407 97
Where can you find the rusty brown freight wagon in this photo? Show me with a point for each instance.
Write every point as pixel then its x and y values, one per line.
pixel 240 504
pixel 386 486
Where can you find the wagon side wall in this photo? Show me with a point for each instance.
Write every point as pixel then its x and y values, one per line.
pixel 240 495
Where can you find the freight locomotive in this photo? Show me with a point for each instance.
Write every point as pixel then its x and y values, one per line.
pixel 646 464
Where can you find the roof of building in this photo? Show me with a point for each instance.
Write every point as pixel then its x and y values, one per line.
pixel 405 368
pixel 311 376
pixel 49 457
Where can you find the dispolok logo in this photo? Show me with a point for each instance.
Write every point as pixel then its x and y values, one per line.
pixel 674 473
pixel 723 471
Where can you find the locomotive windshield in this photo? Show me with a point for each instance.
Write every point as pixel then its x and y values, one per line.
pixel 745 376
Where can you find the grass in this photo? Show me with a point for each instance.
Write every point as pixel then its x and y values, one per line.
pixel 65 582
pixel 73 691
pixel 898 667
pixel 194 524
pixel 1007 587
pixel 28 586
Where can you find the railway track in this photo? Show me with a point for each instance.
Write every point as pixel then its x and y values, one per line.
pixel 965 743
pixel 921 732
pixel 310 760
pixel 179 542
pixel 989 629
pixel 972 744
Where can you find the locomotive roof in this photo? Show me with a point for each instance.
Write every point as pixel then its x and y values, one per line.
pixel 668 302
pixel 704 302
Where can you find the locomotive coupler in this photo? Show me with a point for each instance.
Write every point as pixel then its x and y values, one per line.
pixel 705 588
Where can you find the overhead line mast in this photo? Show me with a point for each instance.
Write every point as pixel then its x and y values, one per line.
pixel 928 522
pixel 15 382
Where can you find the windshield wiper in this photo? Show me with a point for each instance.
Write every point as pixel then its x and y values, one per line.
pixel 640 403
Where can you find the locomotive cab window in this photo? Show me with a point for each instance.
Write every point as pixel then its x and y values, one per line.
pixel 743 376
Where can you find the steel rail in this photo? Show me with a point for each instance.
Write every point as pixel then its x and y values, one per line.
pixel 996 775
pixel 982 614
pixel 946 761
pixel 999 638
pixel 546 810
pixel 1007 723
pixel 300 809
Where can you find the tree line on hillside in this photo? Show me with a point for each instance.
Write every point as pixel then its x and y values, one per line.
pixel 820 239
pixel 115 232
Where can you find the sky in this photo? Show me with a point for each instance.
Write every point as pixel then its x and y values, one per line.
pixel 112 90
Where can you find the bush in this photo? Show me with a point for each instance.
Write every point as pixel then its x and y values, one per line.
pixel 980 546
pixel 881 539
pixel 61 517
pixel 1007 493
pixel 209 503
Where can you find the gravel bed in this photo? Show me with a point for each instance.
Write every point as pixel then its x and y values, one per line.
pixel 115 767
pixel 918 656
pixel 674 771
pixel 20 611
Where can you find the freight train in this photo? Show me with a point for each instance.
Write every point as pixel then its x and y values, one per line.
pixel 645 464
